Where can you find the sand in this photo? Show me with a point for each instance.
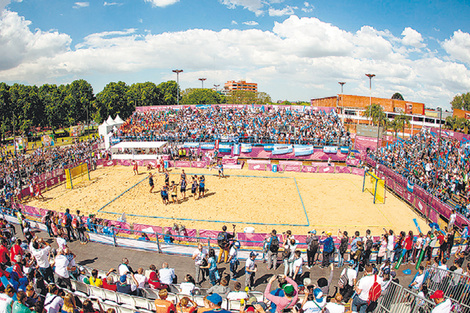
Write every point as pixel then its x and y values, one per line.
pixel 263 200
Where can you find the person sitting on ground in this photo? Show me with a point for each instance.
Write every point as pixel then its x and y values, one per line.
pixel 237 294
pixel 221 288
pixel 186 305
pixel 163 305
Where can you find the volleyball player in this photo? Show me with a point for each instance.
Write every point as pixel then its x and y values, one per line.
pixel 202 185
pixel 183 184
pixel 194 186
pixel 164 193
pixel 174 192
pixel 151 182
pixel 135 167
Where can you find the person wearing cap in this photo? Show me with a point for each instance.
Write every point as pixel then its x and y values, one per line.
pixel 312 247
pixel 215 302
pixel 290 297
pixel 250 270
pixel 348 290
pixel 313 300
pixel 328 249
pixel 163 305
pixel 442 305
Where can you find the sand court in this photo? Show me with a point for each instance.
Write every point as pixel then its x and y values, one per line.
pixel 263 200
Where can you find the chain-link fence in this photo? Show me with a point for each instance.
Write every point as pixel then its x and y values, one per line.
pixel 396 299
pixel 456 286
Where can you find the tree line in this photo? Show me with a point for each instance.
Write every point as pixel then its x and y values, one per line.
pixel 24 108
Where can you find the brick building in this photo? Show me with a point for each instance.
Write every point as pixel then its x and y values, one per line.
pixel 232 85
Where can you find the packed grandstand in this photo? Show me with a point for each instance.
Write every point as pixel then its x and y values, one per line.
pixel 40 277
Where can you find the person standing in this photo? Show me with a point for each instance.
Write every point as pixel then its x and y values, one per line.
pixel 273 248
pixel 233 260
pixel 199 257
pixel 151 182
pixel 223 241
pixel 250 270
pixel 312 247
pixel 328 248
pixel 40 250
pixel 361 299
pixel 442 305
pixel 343 246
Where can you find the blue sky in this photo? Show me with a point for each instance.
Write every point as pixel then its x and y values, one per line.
pixel 294 50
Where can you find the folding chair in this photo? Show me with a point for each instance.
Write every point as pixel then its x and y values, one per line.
pixel 126 300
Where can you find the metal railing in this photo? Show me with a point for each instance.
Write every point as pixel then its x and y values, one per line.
pixel 455 286
pixel 396 299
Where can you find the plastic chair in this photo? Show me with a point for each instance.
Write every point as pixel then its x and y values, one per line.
pixel 79 286
pixel 126 300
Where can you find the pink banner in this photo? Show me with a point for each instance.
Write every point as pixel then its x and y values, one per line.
pixel 353 162
pixel 326 169
pixel 290 163
pixel 292 168
pixel 257 167
pixel 251 240
pixel 199 164
pixel 342 169
pixel 357 171
pixel 309 169
pixel 226 160
pixel 142 227
pixel 182 164
pixel 109 163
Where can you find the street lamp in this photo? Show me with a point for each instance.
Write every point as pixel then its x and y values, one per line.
pixel 202 81
pixel 342 107
pixel 177 85
pixel 216 86
pixel 370 86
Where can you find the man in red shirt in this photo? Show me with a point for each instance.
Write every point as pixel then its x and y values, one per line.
pixel 163 305
pixel 109 283
pixel 4 254
pixel 16 250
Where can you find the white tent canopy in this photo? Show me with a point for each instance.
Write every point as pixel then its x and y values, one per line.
pixel 137 150
pixel 118 121
pixel 110 121
pixel 104 129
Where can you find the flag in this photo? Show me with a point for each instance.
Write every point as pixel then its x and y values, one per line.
pixel 410 186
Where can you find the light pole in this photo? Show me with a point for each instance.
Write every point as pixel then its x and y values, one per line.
pixel 202 81
pixel 370 105
pixel 342 107
pixel 216 86
pixel 177 85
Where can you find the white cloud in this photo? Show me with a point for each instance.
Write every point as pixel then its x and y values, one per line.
pixel 298 59
pixel 288 10
pixel 307 7
pixel 107 4
pixel 251 5
pixel 234 22
pixel 412 38
pixel 79 5
pixel 250 23
pixel 458 46
pixel 162 3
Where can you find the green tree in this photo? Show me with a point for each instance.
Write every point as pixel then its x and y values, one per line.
pixel 168 92
pixel 401 121
pixel 201 96
pixel 461 102
pixel 376 113
pixel 80 98
pixel 52 101
pixel 5 107
pixel 145 94
pixel 113 100
pixel 248 97
pixel 397 96
pixel 26 109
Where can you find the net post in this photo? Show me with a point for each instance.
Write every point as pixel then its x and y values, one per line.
pixel 375 189
pixel 364 180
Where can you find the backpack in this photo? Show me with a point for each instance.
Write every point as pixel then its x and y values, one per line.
pixel 75 222
pixel 343 280
pixel 222 240
pixel 375 291
pixel 369 243
pixel 329 246
pixel 274 244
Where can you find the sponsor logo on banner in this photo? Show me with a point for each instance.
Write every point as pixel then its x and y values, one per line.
pixel 246 148
pixel 207 146
pixel 109 163
pixel 303 150
pixel 282 149
pixel 330 149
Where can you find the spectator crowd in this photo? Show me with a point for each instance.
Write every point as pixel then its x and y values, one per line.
pixel 255 125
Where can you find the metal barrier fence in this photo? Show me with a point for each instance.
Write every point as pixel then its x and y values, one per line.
pixel 455 286
pixel 397 299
